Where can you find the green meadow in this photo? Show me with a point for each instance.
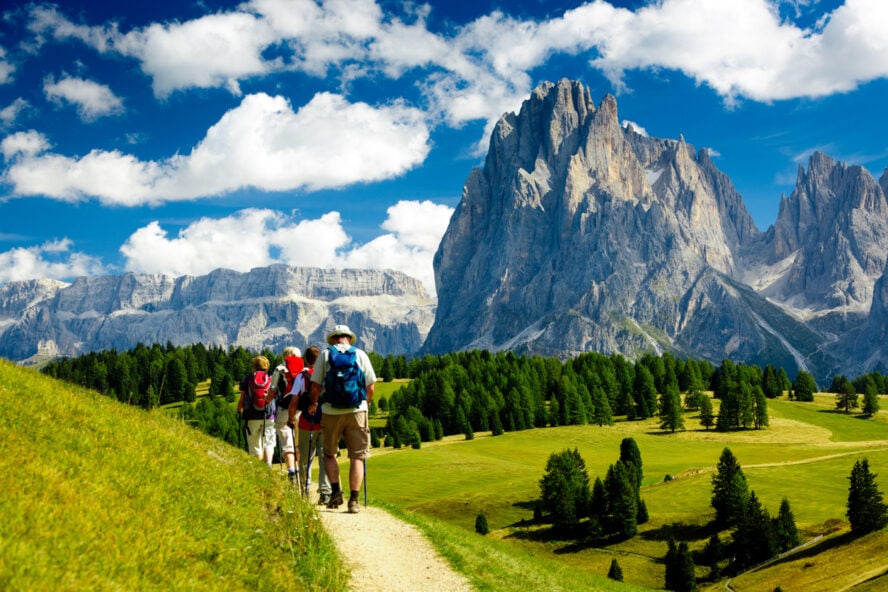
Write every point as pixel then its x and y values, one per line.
pixel 805 456
pixel 102 496
pixel 98 495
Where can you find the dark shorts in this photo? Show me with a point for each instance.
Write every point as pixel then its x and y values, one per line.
pixel 356 429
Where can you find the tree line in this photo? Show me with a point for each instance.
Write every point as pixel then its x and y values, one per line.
pixel 469 391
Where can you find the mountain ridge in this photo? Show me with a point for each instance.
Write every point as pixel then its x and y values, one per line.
pixel 578 234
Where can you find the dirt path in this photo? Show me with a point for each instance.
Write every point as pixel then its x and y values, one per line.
pixel 388 555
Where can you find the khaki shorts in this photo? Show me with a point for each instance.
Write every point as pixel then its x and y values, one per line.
pixel 355 428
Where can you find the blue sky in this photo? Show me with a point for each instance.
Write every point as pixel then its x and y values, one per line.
pixel 178 137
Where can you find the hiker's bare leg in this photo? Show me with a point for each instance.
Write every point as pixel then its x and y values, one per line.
pixel 355 473
pixel 332 467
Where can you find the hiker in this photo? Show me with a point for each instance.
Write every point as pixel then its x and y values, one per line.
pixel 311 443
pixel 343 417
pixel 256 406
pixel 285 375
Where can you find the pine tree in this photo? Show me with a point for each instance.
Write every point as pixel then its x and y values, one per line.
pixel 481 524
pixel 804 387
pixel 754 539
pixel 598 505
pixel 846 396
pixel 622 500
pixel 671 413
pixel 866 510
pixel 870 398
pixel 760 411
pixel 564 489
pixel 615 572
pixel 786 533
pixel 685 577
pixel 629 453
pixel 714 554
pixel 729 489
pixel 707 419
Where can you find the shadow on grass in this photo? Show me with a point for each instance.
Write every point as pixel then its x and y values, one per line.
pixel 681 532
pixel 815 549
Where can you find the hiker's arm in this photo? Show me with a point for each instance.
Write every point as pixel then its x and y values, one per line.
pixel 240 403
pixel 313 395
pixel 371 390
pixel 294 406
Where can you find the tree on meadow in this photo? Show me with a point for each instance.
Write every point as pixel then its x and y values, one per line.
pixel 679 567
pixel 707 418
pixel 601 408
pixel 564 489
pixel 786 534
pixel 622 500
pixel 645 392
pixel 729 489
pixel 631 457
pixel 866 510
pixel 615 572
pixel 598 503
pixel 804 386
pixel 772 384
pixel 846 396
pixel 714 554
pixel 870 398
pixel 671 413
pixel 753 538
pixel 760 409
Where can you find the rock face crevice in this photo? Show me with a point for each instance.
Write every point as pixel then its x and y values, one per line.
pixel 578 234
pixel 270 307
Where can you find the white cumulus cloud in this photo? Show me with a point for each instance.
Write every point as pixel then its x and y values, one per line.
pixel 53 259
pixel 92 100
pixel 10 113
pixel 259 237
pixel 262 143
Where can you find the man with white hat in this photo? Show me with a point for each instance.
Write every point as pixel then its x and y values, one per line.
pixel 346 376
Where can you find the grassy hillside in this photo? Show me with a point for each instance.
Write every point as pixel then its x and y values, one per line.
pixel 101 496
pixel 806 456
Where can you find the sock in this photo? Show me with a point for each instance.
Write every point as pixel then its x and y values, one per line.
pixel 291 471
pixel 334 488
pixel 354 495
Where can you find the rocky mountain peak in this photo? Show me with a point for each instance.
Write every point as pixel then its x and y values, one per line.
pixel 580 235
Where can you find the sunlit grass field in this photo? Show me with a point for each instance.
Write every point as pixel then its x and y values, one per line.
pixel 805 455
pixel 98 495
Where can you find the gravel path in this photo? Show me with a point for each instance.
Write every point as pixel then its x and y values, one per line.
pixel 388 555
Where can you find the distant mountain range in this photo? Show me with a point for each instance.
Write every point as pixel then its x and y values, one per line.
pixel 266 307
pixel 576 235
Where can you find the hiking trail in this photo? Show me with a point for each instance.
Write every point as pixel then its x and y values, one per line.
pixel 386 554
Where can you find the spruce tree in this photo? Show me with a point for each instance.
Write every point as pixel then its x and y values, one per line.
pixel 707 419
pixel 729 489
pixel 870 398
pixel 714 554
pixel 754 539
pixel 866 510
pixel 564 489
pixel 804 387
pixel 671 413
pixel 630 453
pixel 481 526
pixel 846 396
pixel 615 572
pixel 622 500
pixel 786 533
pixel 685 578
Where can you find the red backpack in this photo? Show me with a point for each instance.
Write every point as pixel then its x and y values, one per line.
pixel 259 383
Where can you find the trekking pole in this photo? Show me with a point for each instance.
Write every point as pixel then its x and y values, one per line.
pixel 308 461
pixel 365 482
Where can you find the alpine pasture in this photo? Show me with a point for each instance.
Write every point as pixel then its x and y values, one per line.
pixel 805 456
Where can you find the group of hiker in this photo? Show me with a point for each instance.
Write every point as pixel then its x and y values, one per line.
pixel 305 406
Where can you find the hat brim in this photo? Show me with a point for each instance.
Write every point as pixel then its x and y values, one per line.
pixel 331 338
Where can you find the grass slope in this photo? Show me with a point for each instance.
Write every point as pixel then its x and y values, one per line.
pixel 101 496
pixel 806 456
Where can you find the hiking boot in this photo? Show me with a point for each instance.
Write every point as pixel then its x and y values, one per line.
pixel 324 499
pixel 335 501
pixel 353 506
pixel 294 477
